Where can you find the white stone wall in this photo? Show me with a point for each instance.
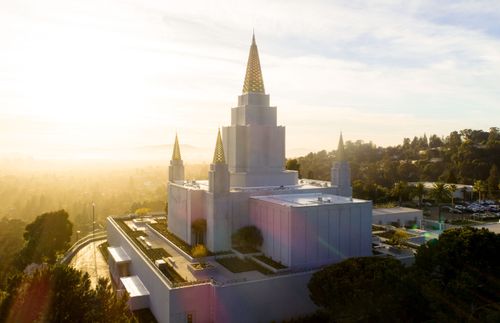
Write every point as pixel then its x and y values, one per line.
pixel 274 222
pixel 178 217
pixel 276 298
pixel 269 300
pixel 310 236
pixel 255 145
pixel 166 304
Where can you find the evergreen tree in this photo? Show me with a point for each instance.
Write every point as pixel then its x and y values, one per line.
pixel 493 182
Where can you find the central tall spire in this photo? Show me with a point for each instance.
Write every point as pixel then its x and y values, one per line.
pixel 253 78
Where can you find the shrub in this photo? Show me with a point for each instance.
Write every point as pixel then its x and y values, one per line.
pixel 249 236
pixel 199 251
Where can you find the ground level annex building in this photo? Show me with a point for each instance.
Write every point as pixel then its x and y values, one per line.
pixel 305 224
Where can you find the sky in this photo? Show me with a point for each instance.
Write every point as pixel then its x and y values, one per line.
pixel 117 79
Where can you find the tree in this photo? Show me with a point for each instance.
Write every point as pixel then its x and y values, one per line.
pixel 493 181
pixel 399 237
pixel 293 164
pixel 199 227
pixel 419 192
pixel 439 193
pixel 11 242
pixel 368 289
pixel 400 191
pixel 62 294
pixel 47 236
pixel 142 211
pixel 480 188
pixel 460 273
pixel 249 236
pixel 452 188
pixel 199 251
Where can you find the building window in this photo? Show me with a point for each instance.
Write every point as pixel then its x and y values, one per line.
pixel 189 318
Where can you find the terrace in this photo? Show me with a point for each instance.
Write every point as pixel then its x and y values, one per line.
pixel 170 255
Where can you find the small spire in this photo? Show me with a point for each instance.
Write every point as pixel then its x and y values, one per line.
pixel 253 77
pixel 340 149
pixel 219 151
pixel 176 155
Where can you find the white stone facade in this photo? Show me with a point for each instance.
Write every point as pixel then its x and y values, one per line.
pixel 305 224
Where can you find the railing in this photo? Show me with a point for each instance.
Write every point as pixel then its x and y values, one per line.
pixel 77 246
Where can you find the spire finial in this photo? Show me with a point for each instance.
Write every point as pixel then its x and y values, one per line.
pixel 176 154
pixel 340 149
pixel 253 77
pixel 219 150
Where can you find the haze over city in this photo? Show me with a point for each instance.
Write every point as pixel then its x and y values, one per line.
pixel 116 79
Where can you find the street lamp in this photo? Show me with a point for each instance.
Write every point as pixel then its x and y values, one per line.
pixel 93 236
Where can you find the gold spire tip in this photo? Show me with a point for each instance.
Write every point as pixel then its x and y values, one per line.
pixel 219 151
pixel 176 154
pixel 253 77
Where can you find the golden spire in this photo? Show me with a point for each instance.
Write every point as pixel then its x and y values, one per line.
pixel 253 78
pixel 340 149
pixel 176 155
pixel 219 151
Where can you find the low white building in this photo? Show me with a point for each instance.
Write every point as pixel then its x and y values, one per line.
pixel 305 224
pixel 402 216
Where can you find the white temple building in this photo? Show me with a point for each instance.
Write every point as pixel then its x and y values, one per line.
pixel 305 224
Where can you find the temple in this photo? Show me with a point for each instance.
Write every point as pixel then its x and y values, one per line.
pixel 305 224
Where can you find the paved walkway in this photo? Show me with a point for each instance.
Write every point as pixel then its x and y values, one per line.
pixel 92 263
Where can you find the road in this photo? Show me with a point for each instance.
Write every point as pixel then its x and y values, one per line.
pixel 86 260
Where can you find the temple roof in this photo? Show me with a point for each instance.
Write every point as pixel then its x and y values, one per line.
pixel 340 149
pixel 219 151
pixel 176 154
pixel 253 78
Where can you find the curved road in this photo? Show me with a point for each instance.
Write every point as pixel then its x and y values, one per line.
pixel 89 259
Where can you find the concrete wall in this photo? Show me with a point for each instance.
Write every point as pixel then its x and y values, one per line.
pixel 274 222
pixel 330 233
pixel 274 299
pixel 178 211
pixel 310 236
pixel 166 304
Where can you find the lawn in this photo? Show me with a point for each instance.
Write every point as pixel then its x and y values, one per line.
pixel 245 249
pixel 270 262
pixel 236 265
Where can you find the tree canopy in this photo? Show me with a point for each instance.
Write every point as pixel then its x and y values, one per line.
pixel 62 294
pixel 47 236
pixel 369 289
pixel 454 279
pixel 462 157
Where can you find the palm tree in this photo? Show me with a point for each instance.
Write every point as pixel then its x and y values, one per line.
pixel 479 187
pixel 399 190
pixel 419 192
pixel 440 194
pixel 452 188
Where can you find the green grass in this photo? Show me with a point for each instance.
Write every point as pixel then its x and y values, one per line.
pixel 236 265
pixel 245 249
pixel 162 229
pixel 171 274
pixel 153 254
pixel 270 262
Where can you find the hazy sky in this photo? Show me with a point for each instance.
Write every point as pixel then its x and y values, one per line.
pixel 81 79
